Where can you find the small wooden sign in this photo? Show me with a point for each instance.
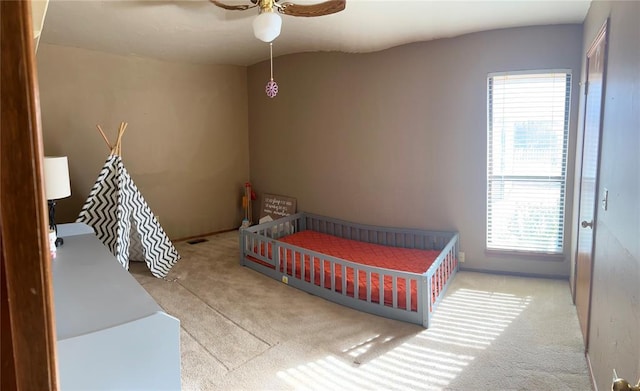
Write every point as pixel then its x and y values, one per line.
pixel 277 206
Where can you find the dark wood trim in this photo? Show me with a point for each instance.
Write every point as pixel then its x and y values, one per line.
pixel 204 235
pixel 23 213
pixel 7 368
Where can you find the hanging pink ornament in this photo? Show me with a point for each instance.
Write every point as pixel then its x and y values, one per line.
pixel 271 89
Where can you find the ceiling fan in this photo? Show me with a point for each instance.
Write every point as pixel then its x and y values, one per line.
pixel 266 26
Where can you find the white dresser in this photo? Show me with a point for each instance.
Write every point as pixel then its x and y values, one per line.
pixel 111 334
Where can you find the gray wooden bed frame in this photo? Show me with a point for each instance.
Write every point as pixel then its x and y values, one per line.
pixel 431 285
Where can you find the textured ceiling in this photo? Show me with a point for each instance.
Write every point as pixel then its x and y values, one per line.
pixel 197 31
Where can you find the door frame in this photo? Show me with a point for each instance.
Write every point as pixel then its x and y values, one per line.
pixel 603 33
pixel 28 326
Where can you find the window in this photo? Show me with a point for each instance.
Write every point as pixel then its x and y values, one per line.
pixel 528 127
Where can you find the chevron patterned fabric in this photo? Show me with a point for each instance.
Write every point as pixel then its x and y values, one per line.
pixel 123 221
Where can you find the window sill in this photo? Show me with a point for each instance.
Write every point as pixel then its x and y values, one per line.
pixel 526 255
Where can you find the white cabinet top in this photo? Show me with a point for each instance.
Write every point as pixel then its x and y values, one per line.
pixel 92 291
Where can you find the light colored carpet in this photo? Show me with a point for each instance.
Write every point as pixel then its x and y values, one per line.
pixel 244 331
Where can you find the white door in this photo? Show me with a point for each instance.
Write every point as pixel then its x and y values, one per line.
pixel 596 59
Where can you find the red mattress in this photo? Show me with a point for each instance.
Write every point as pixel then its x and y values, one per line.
pixel 394 258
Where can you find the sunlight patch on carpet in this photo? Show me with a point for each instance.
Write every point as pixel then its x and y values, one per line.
pixel 363 347
pixel 466 320
pixel 473 319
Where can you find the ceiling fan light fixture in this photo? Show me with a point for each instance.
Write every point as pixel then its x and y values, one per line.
pixel 266 26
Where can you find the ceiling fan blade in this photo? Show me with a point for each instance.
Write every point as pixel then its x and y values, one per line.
pixel 320 9
pixel 234 7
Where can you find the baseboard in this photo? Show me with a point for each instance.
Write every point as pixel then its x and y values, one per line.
pixel 591 377
pixel 516 274
pixel 203 235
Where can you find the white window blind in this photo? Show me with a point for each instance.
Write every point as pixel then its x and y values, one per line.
pixel 528 127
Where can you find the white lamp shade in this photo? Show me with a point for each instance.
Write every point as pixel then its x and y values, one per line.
pixel 56 177
pixel 266 26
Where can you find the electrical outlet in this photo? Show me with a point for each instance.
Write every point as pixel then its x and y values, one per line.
pixel 461 256
pixel 285 279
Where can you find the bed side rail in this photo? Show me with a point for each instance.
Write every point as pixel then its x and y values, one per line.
pixel 278 228
pixel 323 275
pixel 439 275
pixel 256 241
pixel 259 236
pixel 372 294
pixel 386 236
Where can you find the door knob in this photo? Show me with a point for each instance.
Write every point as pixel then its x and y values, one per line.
pixel 620 384
pixel 586 224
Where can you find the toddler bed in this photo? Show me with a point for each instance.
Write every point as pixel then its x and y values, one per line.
pixel 397 273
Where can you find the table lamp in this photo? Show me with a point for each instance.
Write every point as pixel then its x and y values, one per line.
pixel 56 185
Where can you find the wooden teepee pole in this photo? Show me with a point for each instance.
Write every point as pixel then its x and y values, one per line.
pixel 117 147
pixel 104 137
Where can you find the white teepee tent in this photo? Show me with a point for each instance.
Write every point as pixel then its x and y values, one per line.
pixel 118 213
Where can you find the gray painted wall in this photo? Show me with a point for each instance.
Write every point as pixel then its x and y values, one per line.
pixel 398 137
pixel 615 309
pixel 186 146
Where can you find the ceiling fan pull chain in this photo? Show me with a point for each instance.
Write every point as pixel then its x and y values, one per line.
pixel 272 87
